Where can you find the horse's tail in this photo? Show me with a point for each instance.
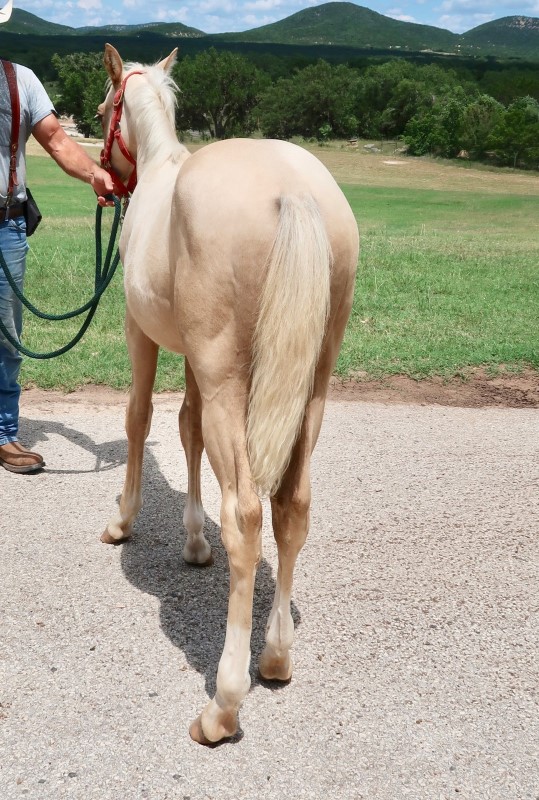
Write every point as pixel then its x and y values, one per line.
pixel 293 312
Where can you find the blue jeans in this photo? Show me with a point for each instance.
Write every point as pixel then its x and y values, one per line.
pixel 14 248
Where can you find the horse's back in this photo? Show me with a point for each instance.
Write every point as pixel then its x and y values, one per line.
pixel 239 182
pixel 227 203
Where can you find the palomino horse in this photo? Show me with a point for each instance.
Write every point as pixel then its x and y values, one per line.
pixel 242 257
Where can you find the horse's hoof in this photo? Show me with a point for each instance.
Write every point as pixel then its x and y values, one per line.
pixel 197 556
pixel 197 734
pixel 273 668
pixel 108 539
pixel 214 725
pixel 207 563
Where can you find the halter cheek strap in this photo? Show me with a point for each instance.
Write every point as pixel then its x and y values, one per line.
pixel 121 189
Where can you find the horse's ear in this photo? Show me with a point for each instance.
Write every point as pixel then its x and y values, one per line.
pixel 168 62
pixel 113 64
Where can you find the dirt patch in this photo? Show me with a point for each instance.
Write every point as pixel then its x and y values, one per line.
pixel 477 390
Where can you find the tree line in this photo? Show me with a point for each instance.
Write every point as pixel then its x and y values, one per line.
pixel 431 109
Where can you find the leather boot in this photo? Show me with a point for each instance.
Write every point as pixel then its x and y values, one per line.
pixel 16 458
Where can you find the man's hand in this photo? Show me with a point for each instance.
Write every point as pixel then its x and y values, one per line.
pixel 107 200
pixel 103 187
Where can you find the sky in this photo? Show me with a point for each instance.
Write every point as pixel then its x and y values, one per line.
pixel 219 16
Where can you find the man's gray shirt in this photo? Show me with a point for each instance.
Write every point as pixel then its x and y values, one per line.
pixel 35 106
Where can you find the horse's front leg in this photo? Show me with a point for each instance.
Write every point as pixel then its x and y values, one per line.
pixel 196 549
pixel 143 354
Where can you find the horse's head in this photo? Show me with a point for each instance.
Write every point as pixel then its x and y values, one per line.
pixel 119 155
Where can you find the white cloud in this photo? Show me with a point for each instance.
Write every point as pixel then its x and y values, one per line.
pixel 217 5
pixel 459 23
pixel 469 8
pixel 402 17
pixel 174 15
pixel 38 4
pixel 257 21
pixel 519 8
pixel 88 5
pixel 263 5
pixel 213 24
pixel 397 13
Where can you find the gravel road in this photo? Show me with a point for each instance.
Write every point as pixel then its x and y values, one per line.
pixel 416 606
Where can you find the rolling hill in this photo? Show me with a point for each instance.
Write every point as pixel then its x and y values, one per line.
pixel 23 22
pixel 174 30
pixel 508 36
pixel 347 24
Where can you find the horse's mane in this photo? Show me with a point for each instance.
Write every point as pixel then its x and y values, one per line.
pixel 153 98
pixel 164 86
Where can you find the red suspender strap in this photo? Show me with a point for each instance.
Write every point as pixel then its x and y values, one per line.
pixel 15 125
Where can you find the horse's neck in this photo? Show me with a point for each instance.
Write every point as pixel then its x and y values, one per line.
pixel 168 150
pixel 157 142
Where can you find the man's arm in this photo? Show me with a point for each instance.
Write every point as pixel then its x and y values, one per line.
pixel 70 156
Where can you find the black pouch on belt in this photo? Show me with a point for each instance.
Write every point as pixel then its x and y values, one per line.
pixel 32 213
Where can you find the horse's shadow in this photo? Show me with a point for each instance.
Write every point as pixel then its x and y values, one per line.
pixel 108 455
pixel 193 600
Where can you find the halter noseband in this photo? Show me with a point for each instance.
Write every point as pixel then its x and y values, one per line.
pixel 121 189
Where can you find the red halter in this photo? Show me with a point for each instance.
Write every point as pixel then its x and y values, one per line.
pixel 120 189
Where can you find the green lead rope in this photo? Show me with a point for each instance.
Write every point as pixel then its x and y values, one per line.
pixel 103 276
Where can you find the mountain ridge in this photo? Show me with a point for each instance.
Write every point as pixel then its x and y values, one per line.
pixel 341 24
pixel 323 24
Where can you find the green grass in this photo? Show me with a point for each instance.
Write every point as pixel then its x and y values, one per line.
pixel 60 273
pixel 447 280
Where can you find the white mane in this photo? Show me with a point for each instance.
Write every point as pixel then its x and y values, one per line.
pixel 153 105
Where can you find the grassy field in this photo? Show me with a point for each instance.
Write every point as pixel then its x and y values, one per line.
pixel 448 276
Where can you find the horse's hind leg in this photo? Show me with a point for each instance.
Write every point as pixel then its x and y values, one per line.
pixel 223 420
pixel 291 503
pixel 143 354
pixel 290 514
pixel 196 549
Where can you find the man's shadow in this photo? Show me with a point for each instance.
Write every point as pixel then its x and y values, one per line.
pixel 193 600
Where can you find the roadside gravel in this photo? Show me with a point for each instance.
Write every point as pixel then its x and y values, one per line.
pixel 416 609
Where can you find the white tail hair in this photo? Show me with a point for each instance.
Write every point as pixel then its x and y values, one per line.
pixel 293 313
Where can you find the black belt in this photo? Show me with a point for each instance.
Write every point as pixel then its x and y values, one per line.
pixel 11 211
